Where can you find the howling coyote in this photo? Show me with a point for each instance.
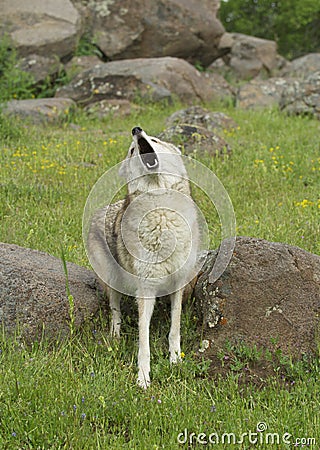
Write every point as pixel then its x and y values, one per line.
pixel 154 240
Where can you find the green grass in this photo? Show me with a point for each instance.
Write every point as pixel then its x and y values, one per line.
pixel 81 393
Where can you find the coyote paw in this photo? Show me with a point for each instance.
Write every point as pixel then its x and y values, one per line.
pixel 175 358
pixel 115 335
pixel 143 381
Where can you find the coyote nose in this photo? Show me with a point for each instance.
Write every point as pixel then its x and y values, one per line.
pixel 136 130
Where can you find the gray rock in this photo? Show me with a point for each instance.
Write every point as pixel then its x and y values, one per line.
pixel 195 140
pixel 259 94
pixel 151 79
pixel 269 296
pixel 42 68
pixel 249 56
pixel 302 67
pixel 80 63
pixel 43 28
pixel 302 97
pixel 198 116
pixel 220 67
pixel 40 110
pixel 220 89
pixel 113 107
pixel 186 29
pixel 33 296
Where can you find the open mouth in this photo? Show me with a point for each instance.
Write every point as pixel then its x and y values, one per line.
pixel 147 154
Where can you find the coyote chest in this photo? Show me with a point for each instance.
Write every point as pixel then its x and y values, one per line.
pixel 157 243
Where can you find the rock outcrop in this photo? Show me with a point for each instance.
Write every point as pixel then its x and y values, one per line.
pixel 120 29
pixel 248 56
pixel 302 97
pixel 43 28
pixel 198 131
pixel 196 140
pixel 259 94
pixel 302 67
pixel 40 110
pixel 124 29
pixel 197 115
pixel 151 79
pixel 41 68
pixel 33 295
pixel 269 296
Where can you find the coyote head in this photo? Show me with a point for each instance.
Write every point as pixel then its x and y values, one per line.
pixel 150 162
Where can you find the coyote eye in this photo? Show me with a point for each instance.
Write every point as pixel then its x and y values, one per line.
pixel 154 140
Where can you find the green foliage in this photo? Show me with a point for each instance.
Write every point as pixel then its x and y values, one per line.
pixel 14 82
pixel 294 25
pixel 198 65
pixel 48 87
pixel 87 47
pixel 240 356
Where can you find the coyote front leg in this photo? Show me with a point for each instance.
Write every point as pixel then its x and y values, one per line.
pixel 114 302
pixel 145 306
pixel 174 335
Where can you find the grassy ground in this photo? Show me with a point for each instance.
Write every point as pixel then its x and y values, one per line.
pixel 81 394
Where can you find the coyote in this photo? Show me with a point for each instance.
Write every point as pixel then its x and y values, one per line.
pixel 153 241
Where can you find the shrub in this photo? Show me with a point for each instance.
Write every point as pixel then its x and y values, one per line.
pixel 14 82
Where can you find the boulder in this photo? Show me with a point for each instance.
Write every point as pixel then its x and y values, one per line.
pixel 302 97
pixel 43 28
pixel 33 295
pixel 249 56
pixel 151 79
pixel 186 29
pixel 41 68
pixel 195 140
pixel 80 63
pixel 302 67
pixel 41 110
pixel 219 67
pixel 226 43
pixel 197 115
pixel 113 107
pixel 220 89
pixel 269 296
pixel 261 93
